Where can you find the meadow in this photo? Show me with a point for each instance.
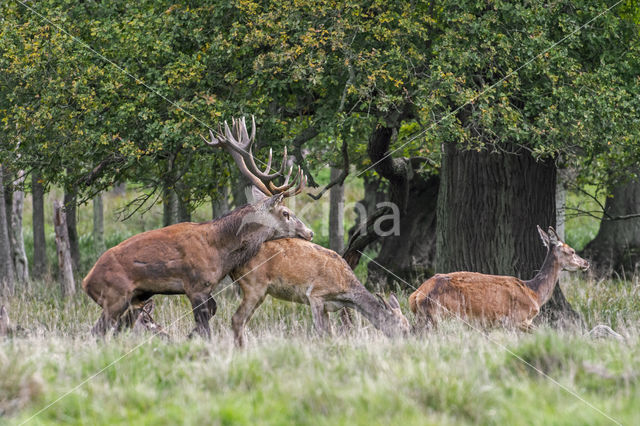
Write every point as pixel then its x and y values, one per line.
pixel 53 371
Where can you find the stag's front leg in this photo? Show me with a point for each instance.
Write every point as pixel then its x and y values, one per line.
pixel 204 307
pixel 201 314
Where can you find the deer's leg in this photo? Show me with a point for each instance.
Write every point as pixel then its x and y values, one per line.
pixel 319 315
pixel 137 304
pixel 250 301
pixel 346 320
pixel 201 313
pixel 111 312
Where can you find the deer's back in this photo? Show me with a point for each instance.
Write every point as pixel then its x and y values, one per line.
pixel 487 297
pixel 294 262
pixel 158 259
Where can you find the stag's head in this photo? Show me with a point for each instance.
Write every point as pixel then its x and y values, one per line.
pixel 393 321
pixel 270 211
pixel 566 256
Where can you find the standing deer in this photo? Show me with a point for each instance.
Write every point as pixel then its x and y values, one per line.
pixel 496 299
pixel 191 258
pixel 307 273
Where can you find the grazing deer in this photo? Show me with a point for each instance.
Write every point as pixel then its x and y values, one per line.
pixel 496 299
pixel 307 273
pixel 191 258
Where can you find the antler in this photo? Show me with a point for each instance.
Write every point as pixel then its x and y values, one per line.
pixel 237 142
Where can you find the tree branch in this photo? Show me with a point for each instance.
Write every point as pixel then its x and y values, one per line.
pixel 305 136
pixel 339 180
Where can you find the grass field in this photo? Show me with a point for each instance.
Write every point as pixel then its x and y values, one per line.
pixel 53 371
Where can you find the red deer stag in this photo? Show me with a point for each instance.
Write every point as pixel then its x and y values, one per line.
pixel 191 258
pixel 307 273
pixel 496 299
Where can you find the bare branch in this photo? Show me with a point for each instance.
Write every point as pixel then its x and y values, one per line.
pixel 339 180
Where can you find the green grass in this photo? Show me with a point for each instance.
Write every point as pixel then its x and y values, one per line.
pixel 287 374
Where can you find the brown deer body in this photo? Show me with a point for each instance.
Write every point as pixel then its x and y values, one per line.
pixel 191 258
pixel 495 299
pixel 307 273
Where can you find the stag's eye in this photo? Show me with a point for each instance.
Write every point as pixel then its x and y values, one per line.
pixel 286 215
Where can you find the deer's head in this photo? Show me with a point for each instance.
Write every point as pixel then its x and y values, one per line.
pixel 393 321
pixel 566 256
pixel 269 211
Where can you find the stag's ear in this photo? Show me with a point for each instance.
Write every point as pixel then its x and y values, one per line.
pixel 254 194
pixel 544 236
pixel 553 237
pixel 273 201
pixel 393 302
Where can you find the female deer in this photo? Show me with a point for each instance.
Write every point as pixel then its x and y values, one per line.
pixel 492 298
pixel 299 271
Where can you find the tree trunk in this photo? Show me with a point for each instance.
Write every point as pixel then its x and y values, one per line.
pixel 20 263
pixel 616 247
pixel 184 210
pixel 65 266
pixel 239 191
pixel 169 207
pixel 410 255
pixel 98 224
pixel 408 233
pixel 8 205
pixel 39 243
pixel 7 279
pixel 220 205
pixel 70 209
pixel 336 214
pixel 488 207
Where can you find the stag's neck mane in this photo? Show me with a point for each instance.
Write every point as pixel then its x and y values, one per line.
pixel 545 280
pixel 241 244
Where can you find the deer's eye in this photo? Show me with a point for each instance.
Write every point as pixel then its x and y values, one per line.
pixel 286 215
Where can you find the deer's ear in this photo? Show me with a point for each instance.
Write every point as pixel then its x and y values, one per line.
pixel 553 237
pixel 148 306
pixel 393 302
pixel 273 201
pixel 543 236
pixel 254 194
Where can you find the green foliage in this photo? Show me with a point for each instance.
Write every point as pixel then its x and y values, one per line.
pixel 337 67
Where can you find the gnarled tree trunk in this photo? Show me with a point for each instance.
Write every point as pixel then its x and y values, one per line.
pixel 616 247
pixel 488 207
pixel 408 234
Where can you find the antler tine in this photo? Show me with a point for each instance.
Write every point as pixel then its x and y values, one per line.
pixel 237 140
pixel 301 178
pixel 286 185
pixel 214 140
